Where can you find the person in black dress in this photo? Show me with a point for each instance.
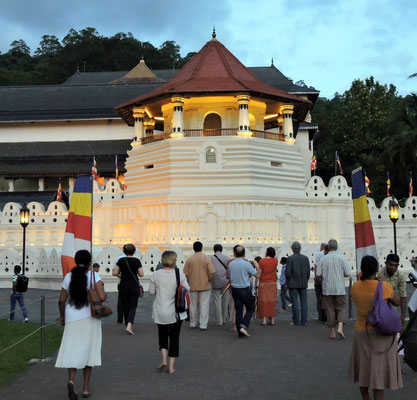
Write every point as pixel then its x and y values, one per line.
pixel 129 269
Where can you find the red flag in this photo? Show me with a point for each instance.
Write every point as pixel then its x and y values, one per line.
pixel 313 163
pixel 59 193
pixel 410 186
pixel 94 169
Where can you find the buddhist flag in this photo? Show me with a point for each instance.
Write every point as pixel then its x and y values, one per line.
pixel 117 167
pixel 410 186
pixel 94 169
pixel 367 183
pixel 339 163
pixel 364 233
pixel 78 231
pixel 59 193
pixel 388 184
pixel 313 163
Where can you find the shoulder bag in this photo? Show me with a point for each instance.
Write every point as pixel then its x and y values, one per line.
pixel 221 262
pixel 99 309
pixel 135 278
pixel 383 317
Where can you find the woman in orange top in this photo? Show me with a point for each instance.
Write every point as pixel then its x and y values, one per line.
pixel 267 290
pixel 374 361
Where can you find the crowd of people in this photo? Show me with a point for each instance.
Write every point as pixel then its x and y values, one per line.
pixel 239 288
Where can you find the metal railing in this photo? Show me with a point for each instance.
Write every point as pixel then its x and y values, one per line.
pixel 155 138
pixel 209 132
pixel 214 132
pixel 268 135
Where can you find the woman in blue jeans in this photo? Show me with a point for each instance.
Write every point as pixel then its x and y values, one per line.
pixel 16 296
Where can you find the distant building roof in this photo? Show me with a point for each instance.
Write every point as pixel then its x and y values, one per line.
pixel 61 159
pixel 140 74
pixel 93 95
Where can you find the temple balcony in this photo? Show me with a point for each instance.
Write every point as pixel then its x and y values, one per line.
pixel 214 132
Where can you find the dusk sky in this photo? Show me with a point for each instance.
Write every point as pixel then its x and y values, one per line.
pixel 327 43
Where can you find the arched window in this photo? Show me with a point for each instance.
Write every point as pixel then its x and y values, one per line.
pixel 213 123
pixel 211 155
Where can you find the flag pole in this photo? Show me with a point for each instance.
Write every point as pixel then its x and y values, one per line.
pixel 335 163
pixel 91 222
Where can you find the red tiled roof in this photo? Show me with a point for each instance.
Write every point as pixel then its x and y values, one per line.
pixel 214 69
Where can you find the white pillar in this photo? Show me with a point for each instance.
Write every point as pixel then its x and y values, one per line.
pixel 70 185
pixel 11 185
pixel 244 122
pixel 41 184
pixel 149 127
pixel 287 111
pixel 139 116
pixel 177 117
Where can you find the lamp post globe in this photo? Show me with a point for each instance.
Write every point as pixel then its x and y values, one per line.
pixel 393 216
pixel 24 221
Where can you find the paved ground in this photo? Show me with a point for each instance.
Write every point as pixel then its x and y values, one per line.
pixel 283 362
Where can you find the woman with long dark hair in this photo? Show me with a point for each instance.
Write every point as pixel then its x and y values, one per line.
pixel 129 269
pixel 374 363
pixel 81 342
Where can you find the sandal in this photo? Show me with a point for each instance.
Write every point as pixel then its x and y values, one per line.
pixel 71 392
pixel 86 395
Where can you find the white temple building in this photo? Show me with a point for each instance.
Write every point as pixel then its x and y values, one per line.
pixel 218 156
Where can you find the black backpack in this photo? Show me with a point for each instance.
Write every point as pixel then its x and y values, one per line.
pixel 409 342
pixel 22 283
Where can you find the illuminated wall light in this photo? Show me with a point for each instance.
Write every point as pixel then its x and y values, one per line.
pixel 148 112
pixel 269 116
pixel 159 118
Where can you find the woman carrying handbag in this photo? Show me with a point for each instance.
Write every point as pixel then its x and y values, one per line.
pixel 81 342
pixel 374 361
pixel 164 286
pixel 128 269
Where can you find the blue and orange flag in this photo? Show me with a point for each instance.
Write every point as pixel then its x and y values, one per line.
pixel 364 233
pixel 78 231
pixel 339 163
pixel 388 184
pixel 367 184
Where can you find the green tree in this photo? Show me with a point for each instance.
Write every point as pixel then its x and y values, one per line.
pixel 357 124
pixel 401 148
pixel 48 46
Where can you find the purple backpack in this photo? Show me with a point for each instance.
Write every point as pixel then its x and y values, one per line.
pixel 382 316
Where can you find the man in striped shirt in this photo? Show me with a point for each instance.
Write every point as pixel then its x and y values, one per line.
pixel 333 268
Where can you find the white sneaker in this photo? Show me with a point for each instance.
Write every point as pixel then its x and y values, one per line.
pixel 26 320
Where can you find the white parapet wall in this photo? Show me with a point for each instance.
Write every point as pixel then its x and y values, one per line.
pixel 154 226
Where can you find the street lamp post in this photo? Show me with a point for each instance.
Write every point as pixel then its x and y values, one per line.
pixel 24 221
pixel 393 216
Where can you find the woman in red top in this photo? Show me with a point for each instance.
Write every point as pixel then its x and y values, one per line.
pixel 267 291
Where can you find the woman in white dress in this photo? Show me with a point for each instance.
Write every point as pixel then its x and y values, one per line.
pixel 81 342
pixel 163 284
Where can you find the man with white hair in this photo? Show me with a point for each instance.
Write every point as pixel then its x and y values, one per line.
pixel 334 269
pixel 298 274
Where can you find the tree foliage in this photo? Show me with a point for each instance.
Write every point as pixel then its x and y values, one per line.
pixel 54 60
pixel 359 125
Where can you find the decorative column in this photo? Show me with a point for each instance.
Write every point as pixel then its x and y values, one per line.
pixel 177 117
pixel 149 127
pixel 70 185
pixel 244 122
pixel 11 185
pixel 280 121
pixel 41 184
pixel 287 111
pixel 139 116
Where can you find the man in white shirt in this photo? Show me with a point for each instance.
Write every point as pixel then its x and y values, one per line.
pixel 333 268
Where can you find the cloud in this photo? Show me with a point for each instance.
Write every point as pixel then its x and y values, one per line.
pixel 327 43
